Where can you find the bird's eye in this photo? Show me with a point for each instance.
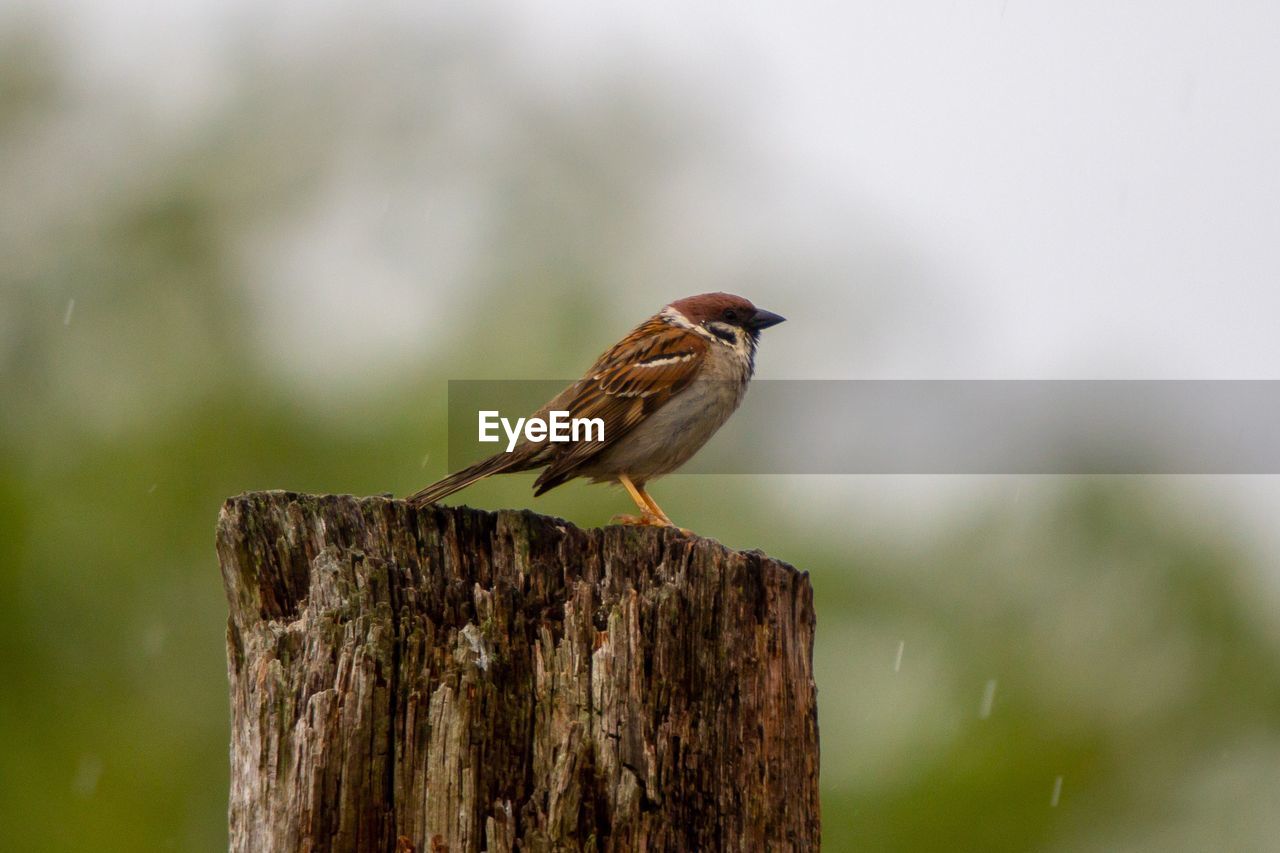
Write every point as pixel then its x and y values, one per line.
pixel 730 315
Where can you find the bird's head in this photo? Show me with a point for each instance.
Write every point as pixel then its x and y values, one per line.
pixel 730 318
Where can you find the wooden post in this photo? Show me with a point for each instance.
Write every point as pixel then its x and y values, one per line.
pixel 450 679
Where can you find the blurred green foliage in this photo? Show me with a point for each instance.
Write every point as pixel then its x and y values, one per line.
pixel 1098 636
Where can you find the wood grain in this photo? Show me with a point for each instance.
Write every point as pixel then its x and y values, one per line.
pixel 451 679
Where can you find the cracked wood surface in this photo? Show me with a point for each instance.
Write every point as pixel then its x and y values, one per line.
pixel 446 678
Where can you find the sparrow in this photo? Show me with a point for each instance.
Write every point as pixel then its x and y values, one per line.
pixel 661 392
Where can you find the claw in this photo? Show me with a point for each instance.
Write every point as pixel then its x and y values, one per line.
pixel 648 519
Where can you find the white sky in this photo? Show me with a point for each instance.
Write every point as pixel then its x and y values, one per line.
pixel 1096 185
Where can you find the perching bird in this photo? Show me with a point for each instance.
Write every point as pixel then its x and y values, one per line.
pixel 662 392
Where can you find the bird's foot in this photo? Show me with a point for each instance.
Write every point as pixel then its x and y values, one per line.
pixel 649 519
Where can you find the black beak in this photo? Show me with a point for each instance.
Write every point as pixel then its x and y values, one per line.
pixel 764 319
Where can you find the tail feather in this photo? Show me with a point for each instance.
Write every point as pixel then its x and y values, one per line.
pixel 500 463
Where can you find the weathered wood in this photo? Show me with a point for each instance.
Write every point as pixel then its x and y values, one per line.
pixel 448 678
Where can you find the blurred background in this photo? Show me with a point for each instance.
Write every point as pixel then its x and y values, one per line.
pixel 246 245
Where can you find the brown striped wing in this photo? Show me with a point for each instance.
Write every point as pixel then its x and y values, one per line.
pixel 623 387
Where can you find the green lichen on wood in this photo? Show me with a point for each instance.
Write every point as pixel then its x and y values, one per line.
pixel 507 681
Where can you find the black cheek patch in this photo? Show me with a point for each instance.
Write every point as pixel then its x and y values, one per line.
pixel 722 334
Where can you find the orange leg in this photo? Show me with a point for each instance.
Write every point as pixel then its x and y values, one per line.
pixel 653 505
pixel 647 514
pixel 650 512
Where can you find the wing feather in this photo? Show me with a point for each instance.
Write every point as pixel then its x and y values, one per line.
pixel 625 385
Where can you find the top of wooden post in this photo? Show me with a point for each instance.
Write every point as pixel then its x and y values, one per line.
pixel 493 681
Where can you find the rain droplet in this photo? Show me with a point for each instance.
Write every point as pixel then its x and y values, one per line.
pixel 71 307
pixel 153 640
pixel 1057 792
pixel 88 772
pixel 897 661
pixel 988 699
pixel 426 457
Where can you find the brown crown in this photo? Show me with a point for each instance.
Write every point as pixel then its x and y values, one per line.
pixel 706 306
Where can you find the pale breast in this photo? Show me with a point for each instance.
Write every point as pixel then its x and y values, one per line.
pixel 670 436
